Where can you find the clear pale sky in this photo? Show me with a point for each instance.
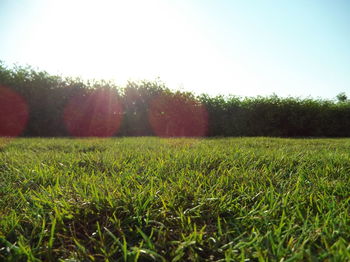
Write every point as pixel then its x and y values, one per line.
pixel 245 48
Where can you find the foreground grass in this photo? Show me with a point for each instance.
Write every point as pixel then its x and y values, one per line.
pixel 146 199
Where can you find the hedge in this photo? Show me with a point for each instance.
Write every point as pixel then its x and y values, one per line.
pixel 35 103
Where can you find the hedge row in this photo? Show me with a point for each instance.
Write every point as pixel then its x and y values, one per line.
pixel 35 103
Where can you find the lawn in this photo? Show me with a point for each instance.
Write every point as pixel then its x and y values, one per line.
pixel 179 199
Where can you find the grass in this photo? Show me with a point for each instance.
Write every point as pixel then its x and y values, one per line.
pixel 152 199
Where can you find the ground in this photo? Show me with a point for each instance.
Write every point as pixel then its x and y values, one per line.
pixel 157 199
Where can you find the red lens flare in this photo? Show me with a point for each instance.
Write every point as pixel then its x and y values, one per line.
pixel 13 113
pixel 178 116
pixel 98 114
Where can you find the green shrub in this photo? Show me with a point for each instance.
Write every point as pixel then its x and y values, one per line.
pixel 47 96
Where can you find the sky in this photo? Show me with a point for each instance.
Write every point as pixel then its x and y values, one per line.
pixel 244 48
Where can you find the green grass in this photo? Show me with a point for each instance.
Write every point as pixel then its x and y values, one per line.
pixel 152 199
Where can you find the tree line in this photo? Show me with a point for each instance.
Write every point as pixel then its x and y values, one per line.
pixel 35 103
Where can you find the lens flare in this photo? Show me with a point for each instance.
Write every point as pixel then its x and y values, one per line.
pixel 13 113
pixel 178 116
pixel 97 113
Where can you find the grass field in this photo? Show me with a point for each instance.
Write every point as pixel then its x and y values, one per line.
pixel 152 199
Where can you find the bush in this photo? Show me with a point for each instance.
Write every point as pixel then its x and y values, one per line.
pixel 150 108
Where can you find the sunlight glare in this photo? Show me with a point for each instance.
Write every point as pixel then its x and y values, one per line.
pixel 13 113
pixel 95 113
pixel 123 40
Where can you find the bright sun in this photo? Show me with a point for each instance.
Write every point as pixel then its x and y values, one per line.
pixel 102 38
pixel 124 40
